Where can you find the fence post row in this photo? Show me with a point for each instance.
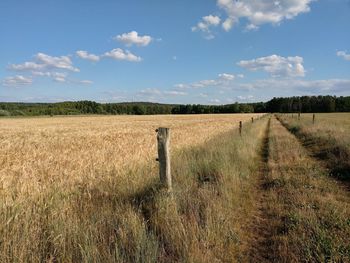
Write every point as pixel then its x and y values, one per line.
pixel 240 128
pixel 163 138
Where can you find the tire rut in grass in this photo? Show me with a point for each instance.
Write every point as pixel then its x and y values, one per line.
pixel 261 229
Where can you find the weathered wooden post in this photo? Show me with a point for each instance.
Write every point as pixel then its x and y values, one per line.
pixel 313 118
pixel 298 116
pixel 240 128
pixel 163 138
pixel 292 116
pixel 252 119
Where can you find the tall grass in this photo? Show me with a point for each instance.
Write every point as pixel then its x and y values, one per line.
pixel 104 217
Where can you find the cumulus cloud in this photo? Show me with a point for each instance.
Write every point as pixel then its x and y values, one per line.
pixel 17 81
pixel 117 54
pixel 46 62
pixel 259 12
pixel 85 55
pixel 276 66
pixel 133 38
pixel 205 24
pixel 120 54
pixel 344 55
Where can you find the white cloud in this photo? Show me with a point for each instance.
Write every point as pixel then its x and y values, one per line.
pixel 120 54
pixel 344 55
pixel 330 86
pixel 45 62
pixel 222 80
pixel 63 62
pixel 175 93
pixel 276 65
pixel 133 38
pixel 154 94
pixel 56 76
pixel 180 86
pixel 205 24
pixel 85 55
pixel 225 76
pixel 245 98
pixel 27 66
pixel 259 12
pixel 16 81
pixel 86 82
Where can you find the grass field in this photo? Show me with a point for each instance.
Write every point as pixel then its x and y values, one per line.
pixel 328 139
pixel 86 189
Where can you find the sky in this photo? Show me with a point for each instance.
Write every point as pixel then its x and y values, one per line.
pixel 183 51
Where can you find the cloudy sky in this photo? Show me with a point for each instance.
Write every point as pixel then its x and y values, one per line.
pixel 183 51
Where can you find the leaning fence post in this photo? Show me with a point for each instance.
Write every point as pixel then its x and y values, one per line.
pixel 163 138
pixel 313 118
pixel 240 128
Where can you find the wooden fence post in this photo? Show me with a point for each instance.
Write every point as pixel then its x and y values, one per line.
pixel 298 116
pixel 313 118
pixel 163 138
pixel 252 119
pixel 240 128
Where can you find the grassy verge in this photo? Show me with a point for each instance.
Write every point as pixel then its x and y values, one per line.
pixel 324 143
pixel 129 218
pixel 313 210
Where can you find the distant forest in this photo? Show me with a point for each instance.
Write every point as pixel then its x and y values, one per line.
pixel 291 104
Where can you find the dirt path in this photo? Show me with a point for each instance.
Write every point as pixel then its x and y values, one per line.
pixel 261 228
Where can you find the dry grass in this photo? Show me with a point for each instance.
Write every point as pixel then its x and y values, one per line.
pixel 312 209
pixel 328 139
pixel 327 125
pixel 84 189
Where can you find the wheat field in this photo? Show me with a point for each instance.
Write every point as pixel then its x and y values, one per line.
pixel 63 181
pixel 68 149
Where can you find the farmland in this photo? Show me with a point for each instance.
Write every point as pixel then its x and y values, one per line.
pixel 86 189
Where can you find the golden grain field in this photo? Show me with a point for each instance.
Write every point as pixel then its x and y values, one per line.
pixel 65 182
pixel 64 150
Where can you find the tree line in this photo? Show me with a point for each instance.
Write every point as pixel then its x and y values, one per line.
pixel 291 104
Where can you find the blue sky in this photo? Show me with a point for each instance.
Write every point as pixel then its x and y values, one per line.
pixel 198 51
